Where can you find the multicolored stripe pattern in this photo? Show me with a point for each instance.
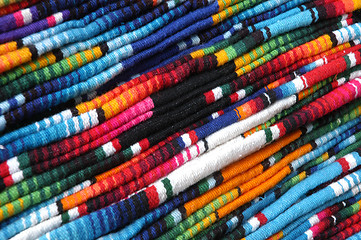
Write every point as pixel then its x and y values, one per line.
pixel 180 119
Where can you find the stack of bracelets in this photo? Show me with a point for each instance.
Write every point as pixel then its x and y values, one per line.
pixel 180 119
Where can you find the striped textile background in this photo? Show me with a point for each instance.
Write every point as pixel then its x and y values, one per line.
pixel 180 119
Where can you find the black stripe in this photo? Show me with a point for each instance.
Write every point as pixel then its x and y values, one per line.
pixel 33 51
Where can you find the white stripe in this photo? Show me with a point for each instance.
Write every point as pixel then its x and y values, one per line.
pixel 337 34
pixel 93 118
pixel 86 120
pixel 268 99
pixel 186 139
pixel 345 34
pixel 182 45
pixel 40 229
pixel 309 234
pixel 215 115
pixel 67 129
pixel 298 83
pixel 350 179
pixel 217 93
pixel 177 216
pixel 254 223
pixel 18 176
pixel 13 165
pixel 211 182
pixel 162 193
pixel 345 186
pixel 314 220
pixel 76 125
pixel 352 58
pixel 336 188
pixel 58 17
pixel 47 122
pixel 351 161
pixel 136 149
pixel 27 16
pixel 195 40
pixel 109 149
pixel 241 94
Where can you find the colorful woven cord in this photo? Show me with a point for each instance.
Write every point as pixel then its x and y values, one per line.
pixel 180 119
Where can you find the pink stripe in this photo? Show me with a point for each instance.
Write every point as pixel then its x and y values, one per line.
pixel 139 108
pixel 179 156
pixel 315 230
pixel 188 154
pixel 51 21
pixel 198 150
pixel 323 215
pixel 19 19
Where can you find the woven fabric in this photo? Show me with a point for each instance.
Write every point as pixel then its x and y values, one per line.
pixel 59 160
pixel 180 119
